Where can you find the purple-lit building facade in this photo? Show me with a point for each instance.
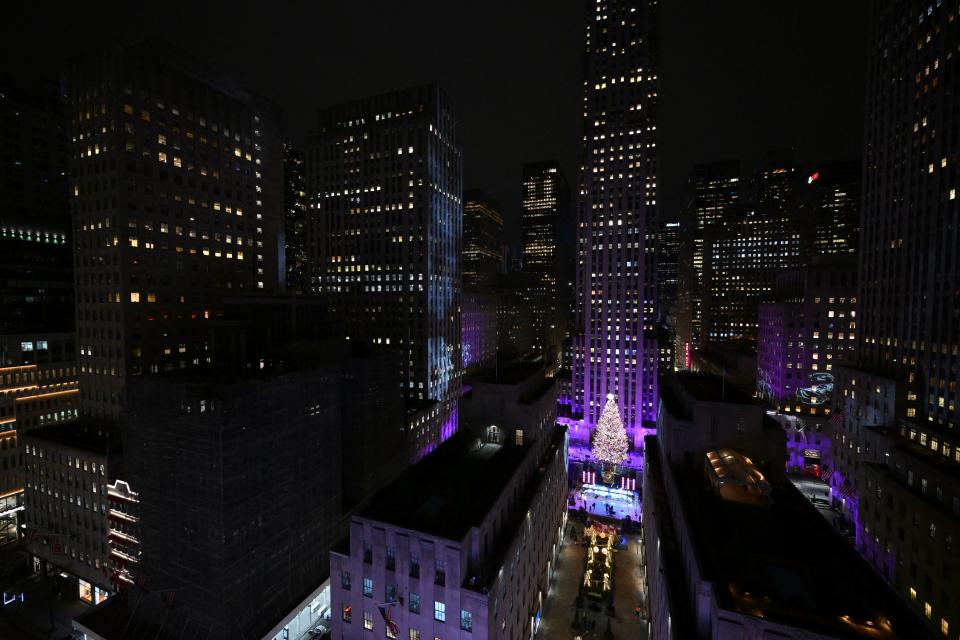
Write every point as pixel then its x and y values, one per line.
pixel 897 405
pixel 462 545
pixel 478 321
pixel 805 333
pixel 384 227
pixel 615 333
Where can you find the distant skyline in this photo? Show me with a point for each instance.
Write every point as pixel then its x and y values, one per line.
pixel 513 70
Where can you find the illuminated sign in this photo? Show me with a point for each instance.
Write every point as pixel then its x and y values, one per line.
pixel 813 177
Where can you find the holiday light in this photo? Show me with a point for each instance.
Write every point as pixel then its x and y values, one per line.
pixel 610 438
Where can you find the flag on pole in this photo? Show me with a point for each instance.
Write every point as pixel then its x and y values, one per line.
pixel 392 629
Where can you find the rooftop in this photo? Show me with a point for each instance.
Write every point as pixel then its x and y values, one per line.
pixel 681 388
pixel 771 561
pixel 448 491
pixel 78 435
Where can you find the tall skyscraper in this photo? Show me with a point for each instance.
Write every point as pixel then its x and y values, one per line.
pixel 827 207
pixel 295 219
pixel 898 408
pixel 482 239
pixel 616 345
pixel 545 200
pixel 667 268
pixel 36 266
pixel 713 193
pixel 745 249
pixel 384 175
pixel 176 185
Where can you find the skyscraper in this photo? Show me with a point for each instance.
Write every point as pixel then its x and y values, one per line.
pixel 544 200
pixel 713 193
pixel 482 239
pixel 827 206
pixel 295 219
pixel 384 175
pixel 616 346
pixel 175 178
pixel 898 408
pixel 667 266
pixel 745 249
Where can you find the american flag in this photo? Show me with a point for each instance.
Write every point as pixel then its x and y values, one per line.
pixel 838 415
pixel 393 630
pixel 141 581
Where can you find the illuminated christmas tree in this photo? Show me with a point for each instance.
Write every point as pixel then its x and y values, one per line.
pixel 610 438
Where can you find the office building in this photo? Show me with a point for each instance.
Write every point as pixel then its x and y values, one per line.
pixel 36 266
pixel 743 257
pixel 617 227
pixel 483 251
pixel 827 206
pixel 81 519
pixel 38 388
pixel 295 219
pixel 712 195
pixel 479 321
pixel 462 545
pixel 896 448
pixel 384 175
pixel 732 549
pixel 176 196
pixel 667 268
pixel 805 333
pixel 545 201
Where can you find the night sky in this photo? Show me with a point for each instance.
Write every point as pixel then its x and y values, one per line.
pixel 737 77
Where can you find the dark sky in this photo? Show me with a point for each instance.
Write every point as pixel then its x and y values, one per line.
pixel 737 76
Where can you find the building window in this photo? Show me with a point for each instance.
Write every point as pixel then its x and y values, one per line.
pixel 414 634
pixel 440 573
pixel 367 620
pixel 927 609
pixel 347 613
pixel 391 559
pixel 440 611
pixel 414 566
pixel 368 587
pixel 519 437
pixel 414 602
pixel 466 620
pixel 391 593
pixel 367 553
pixel 345 580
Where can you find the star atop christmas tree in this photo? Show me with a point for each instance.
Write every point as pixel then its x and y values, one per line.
pixel 610 438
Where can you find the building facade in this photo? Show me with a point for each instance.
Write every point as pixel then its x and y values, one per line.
pixel 616 345
pixel 712 196
pixel 295 219
pixel 384 175
pixel 36 267
pixel 463 546
pixel 827 205
pixel 176 197
pixel 483 252
pixel 897 407
pixel 38 388
pixel 544 203
pixel 809 330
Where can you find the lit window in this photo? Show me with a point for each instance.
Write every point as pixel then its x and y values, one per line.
pixel 367 620
pixel 347 613
pixel 440 611
pixel 134 296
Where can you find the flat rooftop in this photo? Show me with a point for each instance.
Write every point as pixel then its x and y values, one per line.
pixel 450 490
pixel 678 390
pixel 79 435
pixel 783 562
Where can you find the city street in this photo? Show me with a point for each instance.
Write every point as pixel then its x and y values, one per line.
pixel 561 601
pixel 46 612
